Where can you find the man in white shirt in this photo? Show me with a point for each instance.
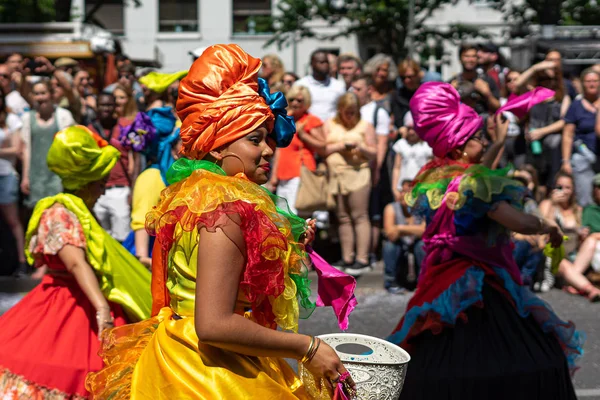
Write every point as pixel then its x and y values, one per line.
pixel 324 90
pixel 373 114
pixel 14 100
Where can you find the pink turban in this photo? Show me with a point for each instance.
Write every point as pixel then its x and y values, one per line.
pixel 441 119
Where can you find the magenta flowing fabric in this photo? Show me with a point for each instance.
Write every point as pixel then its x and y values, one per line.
pixel 336 289
pixel 521 105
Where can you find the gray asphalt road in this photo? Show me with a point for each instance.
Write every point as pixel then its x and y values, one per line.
pixel 378 313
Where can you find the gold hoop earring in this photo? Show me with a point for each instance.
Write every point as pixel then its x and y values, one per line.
pixel 239 159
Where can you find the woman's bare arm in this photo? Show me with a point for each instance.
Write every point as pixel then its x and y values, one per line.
pixel 315 140
pixel 217 285
pixel 369 149
pixel 14 148
pixel 517 221
pixel 76 263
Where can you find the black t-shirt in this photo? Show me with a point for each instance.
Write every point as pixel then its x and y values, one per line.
pixel 481 106
pixel 400 105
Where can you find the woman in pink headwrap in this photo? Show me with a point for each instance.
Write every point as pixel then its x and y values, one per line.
pixel 472 329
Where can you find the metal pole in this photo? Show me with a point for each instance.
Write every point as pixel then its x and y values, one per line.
pixel 295 53
pixel 411 27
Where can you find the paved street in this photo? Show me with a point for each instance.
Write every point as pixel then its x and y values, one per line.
pixel 378 313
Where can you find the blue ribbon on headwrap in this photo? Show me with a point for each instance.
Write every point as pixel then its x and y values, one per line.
pixel 160 148
pixel 284 127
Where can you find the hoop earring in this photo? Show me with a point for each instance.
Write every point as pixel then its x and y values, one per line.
pixel 238 158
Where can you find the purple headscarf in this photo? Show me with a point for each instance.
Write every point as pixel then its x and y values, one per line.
pixel 441 119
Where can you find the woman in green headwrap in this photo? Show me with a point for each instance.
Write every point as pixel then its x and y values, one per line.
pixel 50 340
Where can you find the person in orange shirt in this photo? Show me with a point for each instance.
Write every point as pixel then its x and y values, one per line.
pixel 310 139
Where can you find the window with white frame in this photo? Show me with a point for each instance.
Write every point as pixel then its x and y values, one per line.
pixel 178 15
pixel 251 17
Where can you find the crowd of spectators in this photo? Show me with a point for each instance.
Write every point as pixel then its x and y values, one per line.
pixel 353 120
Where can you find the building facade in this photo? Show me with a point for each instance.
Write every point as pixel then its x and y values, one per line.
pixel 165 31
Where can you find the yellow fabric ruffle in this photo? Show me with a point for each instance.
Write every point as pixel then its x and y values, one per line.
pixel 161 358
pixel 188 205
pixel 476 182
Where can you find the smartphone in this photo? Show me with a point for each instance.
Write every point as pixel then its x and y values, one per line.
pixel 32 65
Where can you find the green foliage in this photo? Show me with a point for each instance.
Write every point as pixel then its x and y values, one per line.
pixel 549 12
pixel 12 11
pixel 383 23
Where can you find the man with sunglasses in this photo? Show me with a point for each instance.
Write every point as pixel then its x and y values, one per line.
pixel 126 77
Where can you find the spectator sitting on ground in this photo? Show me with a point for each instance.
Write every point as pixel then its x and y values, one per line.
pixel 563 208
pixel 580 136
pixel 324 90
pixel 272 71
pixel 573 270
pixel 402 236
pixel 411 155
pixel 484 85
pixel 528 250
pixel 288 80
pixel 591 221
pixel 349 67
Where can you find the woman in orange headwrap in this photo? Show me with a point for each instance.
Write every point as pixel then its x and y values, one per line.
pixel 228 262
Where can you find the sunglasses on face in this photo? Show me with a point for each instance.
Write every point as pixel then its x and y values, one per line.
pixel 479 137
pixel 288 82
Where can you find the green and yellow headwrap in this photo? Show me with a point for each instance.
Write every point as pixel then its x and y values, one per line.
pixel 159 82
pixel 80 156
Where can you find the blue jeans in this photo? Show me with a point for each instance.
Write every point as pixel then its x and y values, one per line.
pixel 527 259
pixel 395 259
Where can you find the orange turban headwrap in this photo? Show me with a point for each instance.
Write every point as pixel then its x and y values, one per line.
pixel 219 100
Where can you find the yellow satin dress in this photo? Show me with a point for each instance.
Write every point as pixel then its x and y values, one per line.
pixel 165 360
pixel 175 365
pixel 161 357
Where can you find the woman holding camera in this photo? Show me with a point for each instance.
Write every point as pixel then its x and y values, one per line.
pixel 350 147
